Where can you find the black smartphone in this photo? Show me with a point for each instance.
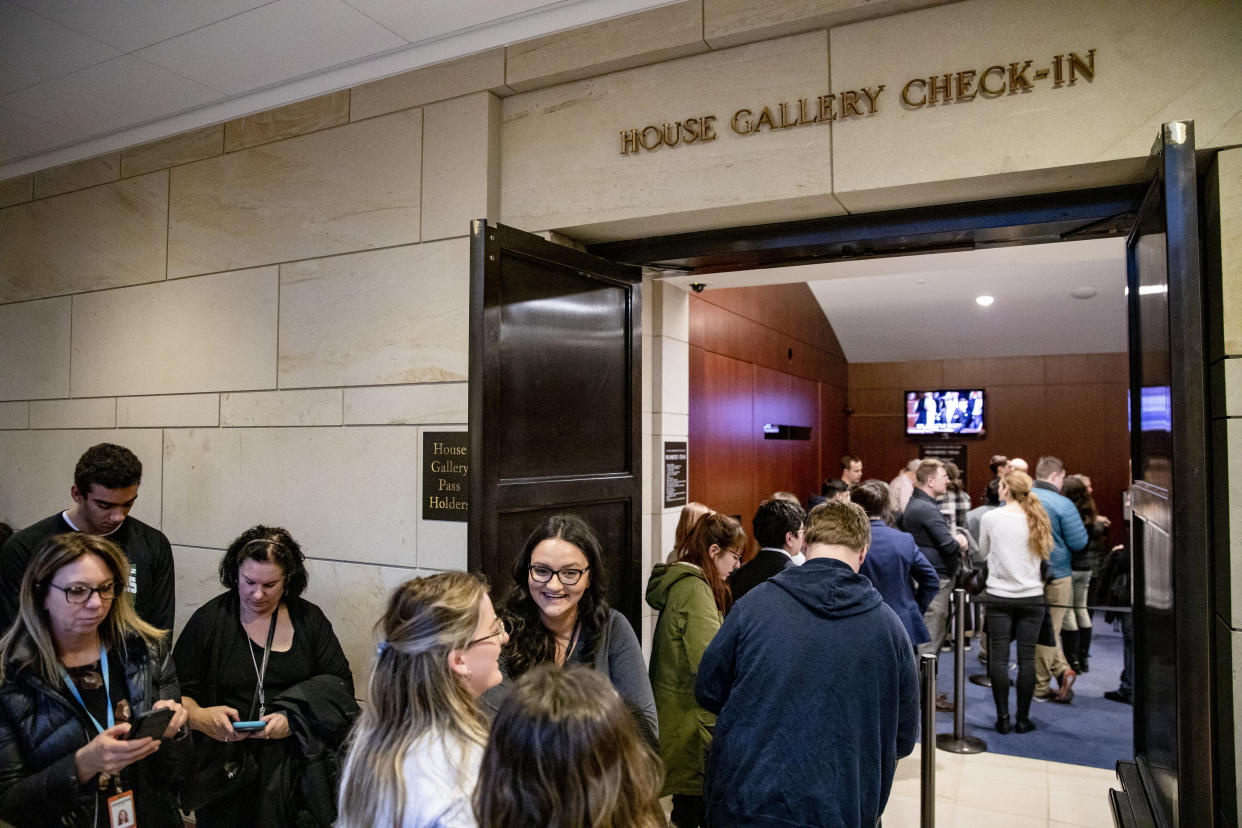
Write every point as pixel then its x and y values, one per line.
pixel 153 723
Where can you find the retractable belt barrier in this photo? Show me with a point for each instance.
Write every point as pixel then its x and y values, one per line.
pixel 927 781
pixel 958 741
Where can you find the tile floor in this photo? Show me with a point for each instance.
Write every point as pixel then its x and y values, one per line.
pixel 991 790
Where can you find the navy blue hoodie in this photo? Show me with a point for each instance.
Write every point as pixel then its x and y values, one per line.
pixel 814 681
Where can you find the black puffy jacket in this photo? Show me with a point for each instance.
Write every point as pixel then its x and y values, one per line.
pixel 42 727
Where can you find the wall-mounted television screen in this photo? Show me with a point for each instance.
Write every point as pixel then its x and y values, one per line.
pixel 954 411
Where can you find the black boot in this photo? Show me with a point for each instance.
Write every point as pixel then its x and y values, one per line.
pixel 1084 648
pixel 1069 645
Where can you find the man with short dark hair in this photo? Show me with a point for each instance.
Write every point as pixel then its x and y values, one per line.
pixel 819 633
pixel 779 527
pixel 851 470
pixel 1068 535
pixel 105 486
pixel 931 531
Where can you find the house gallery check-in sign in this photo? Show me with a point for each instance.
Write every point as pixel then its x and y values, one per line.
pixel 964 86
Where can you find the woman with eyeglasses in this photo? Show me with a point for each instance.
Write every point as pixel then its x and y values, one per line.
pixel 76 668
pixel 691 596
pixel 268 689
pixel 414 755
pixel 558 614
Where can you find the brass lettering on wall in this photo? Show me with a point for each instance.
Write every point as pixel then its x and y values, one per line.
pixel 1013 78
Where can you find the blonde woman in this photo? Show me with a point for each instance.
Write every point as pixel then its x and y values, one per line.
pixel 78 663
pixel 414 755
pixel 1014 540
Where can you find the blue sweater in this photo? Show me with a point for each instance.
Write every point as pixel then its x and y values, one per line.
pixel 1068 533
pixel 814 681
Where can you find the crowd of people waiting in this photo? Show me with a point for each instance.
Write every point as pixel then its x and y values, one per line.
pixel 779 692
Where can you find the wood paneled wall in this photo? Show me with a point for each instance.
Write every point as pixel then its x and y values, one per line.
pixel 762 355
pixel 1073 407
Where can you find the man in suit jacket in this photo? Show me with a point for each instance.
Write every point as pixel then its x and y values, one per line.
pixel 780 528
pixel 895 563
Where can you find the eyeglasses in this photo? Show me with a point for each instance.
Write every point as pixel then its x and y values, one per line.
pixel 737 556
pixel 80 593
pixel 567 576
pixel 500 627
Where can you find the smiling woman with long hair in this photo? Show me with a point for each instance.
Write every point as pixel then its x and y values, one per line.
pixel 558 614
pixel 415 752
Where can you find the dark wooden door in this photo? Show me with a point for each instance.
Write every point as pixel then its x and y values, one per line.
pixel 555 403
pixel 1170 530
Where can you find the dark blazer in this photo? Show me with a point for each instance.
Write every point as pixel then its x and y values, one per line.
pixel 893 564
pixel 924 520
pixel 766 563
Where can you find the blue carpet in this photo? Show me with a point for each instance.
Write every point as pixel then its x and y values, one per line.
pixel 1091 730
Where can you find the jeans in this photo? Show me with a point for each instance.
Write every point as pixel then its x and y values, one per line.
pixel 1080 617
pixel 1010 619
pixel 937 617
pixel 1050 660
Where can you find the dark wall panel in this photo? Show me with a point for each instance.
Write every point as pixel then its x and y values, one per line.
pixel 1072 406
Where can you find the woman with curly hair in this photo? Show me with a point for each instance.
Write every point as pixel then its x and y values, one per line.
pixel 557 614
pixel 414 755
pixel 564 753
pixel 1014 539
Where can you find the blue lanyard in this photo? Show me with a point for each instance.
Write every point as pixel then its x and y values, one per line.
pixel 107 680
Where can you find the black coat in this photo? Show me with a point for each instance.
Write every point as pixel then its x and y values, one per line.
pixel 765 564
pixel 924 520
pixel 42 727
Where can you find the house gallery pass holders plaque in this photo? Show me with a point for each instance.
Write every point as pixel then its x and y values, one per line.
pixel 446 464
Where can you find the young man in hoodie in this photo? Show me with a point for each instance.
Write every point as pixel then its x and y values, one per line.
pixel 822 634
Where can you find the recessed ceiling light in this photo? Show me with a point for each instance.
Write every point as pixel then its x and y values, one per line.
pixel 984 301
pixel 1084 292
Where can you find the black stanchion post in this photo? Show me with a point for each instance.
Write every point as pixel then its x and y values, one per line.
pixel 958 741
pixel 927 786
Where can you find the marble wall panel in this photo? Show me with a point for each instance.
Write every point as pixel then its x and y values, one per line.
pixel 194 145
pixel 197 577
pixel 563 166
pixel 14 415
pixel 287 121
pixel 353 187
pixel 1088 134
pixel 101 237
pixel 34 349
pixel 39 471
pixel 16 190
pixel 382 317
pixel 461 164
pixel 353 597
pixel 92 412
pixel 425 403
pixel 672 385
pixel 344 493
pixel 169 411
pixel 484 71
pixel 315 407
pixel 733 22
pixel 211 333
pixel 78 175
pixel 649 36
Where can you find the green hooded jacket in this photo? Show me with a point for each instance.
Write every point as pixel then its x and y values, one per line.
pixel 688 621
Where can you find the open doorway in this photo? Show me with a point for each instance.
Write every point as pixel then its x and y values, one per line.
pixel 776 397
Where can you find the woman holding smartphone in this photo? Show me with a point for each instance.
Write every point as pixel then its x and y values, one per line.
pixel 77 666
pixel 267 688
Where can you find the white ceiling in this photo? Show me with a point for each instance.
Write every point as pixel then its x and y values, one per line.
pixel 84 77
pixel 923 307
